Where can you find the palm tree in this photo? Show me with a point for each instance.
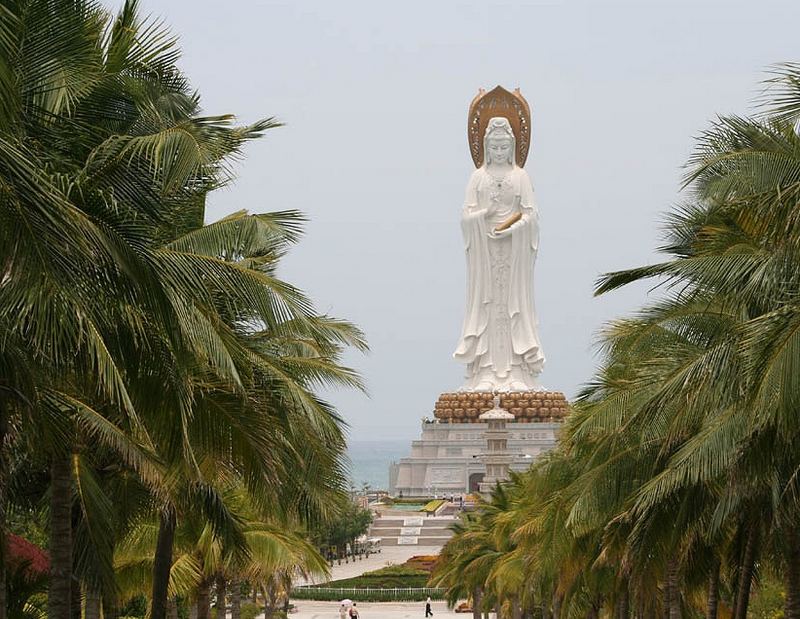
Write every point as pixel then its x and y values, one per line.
pixel 738 248
pixel 479 562
pixel 461 569
pixel 201 554
pixel 279 363
pixel 106 167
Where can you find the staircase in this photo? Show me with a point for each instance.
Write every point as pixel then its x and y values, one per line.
pixel 412 530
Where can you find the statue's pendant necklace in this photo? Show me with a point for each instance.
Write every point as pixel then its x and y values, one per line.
pixel 497 185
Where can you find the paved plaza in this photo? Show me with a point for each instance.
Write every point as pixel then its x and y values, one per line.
pixel 367 610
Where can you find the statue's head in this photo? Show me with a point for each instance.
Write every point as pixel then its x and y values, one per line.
pixel 499 145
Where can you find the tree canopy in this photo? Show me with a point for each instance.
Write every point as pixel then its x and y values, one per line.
pixel 158 381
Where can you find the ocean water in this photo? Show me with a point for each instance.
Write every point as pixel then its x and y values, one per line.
pixel 370 460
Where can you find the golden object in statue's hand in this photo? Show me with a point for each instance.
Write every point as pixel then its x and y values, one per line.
pixel 509 222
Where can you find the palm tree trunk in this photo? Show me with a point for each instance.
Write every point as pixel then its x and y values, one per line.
pixel 674 595
pixel 92 610
pixel 713 592
pixel 476 603
pixel 526 610
pixel 204 600
pixel 792 606
pixel 59 598
pixel 746 574
pixel 556 606
pixel 269 603
pixel 236 599
pixel 639 612
pixel 163 562
pixel 222 594
pixel 3 602
pixel 172 608
pixel 3 489
pixel 624 602
pixel 110 606
pixel 76 602
pixel 269 599
pixel 516 610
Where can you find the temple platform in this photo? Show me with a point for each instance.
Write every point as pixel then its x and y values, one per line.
pixel 445 460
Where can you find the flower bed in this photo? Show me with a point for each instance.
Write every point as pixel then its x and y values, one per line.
pixel 432 506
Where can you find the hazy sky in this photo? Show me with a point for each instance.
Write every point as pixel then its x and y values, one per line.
pixel 375 96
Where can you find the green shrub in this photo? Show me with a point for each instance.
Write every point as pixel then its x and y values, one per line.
pixel 135 607
pixel 250 610
pixel 768 598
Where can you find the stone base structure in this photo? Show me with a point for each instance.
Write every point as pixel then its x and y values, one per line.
pixel 446 458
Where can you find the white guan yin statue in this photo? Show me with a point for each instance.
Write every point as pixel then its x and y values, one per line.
pixel 499 339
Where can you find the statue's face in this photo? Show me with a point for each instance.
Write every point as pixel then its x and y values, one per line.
pixel 499 149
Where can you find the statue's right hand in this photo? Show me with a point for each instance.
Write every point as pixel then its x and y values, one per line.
pixel 476 214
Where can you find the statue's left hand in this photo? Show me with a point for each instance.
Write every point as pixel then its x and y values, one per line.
pixel 494 234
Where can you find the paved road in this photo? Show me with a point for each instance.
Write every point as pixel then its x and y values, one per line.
pixel 367 610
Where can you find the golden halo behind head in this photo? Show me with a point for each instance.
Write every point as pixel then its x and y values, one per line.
pixel 499 102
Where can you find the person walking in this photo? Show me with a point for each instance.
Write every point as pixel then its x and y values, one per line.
pixel 354 612
pixel 428 611
pixel 343 612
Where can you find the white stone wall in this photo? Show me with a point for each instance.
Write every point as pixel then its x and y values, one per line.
pixel 444 457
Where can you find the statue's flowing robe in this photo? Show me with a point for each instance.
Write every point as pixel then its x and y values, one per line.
pixel 499 338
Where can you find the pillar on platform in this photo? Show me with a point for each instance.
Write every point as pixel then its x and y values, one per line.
pixel 497 457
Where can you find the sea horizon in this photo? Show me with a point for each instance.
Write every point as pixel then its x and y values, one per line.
pixel 370 460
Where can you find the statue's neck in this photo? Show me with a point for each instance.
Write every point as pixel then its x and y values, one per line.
pixel 499 168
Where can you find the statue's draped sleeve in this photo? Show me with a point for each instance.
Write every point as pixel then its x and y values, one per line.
pixel 524 246
pixel 529 210
pixel 475 230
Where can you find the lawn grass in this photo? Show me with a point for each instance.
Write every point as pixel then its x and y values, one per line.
pixel 392 583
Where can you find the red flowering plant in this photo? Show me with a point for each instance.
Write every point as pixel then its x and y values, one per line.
pixel 27 568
